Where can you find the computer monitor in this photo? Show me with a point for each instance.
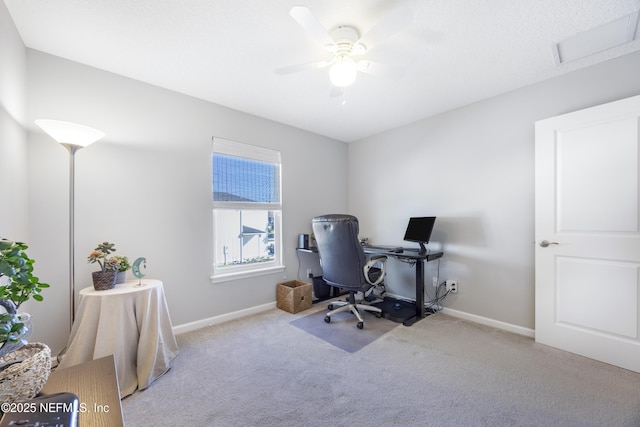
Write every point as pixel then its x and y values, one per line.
pixel 419 230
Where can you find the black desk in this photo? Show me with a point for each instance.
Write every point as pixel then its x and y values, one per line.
pixel 406 254
pixel 420 259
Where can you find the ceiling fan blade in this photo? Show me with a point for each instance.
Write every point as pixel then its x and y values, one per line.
pixel 380 69
pixel 301 67
pixel 388 26
pixel 308 21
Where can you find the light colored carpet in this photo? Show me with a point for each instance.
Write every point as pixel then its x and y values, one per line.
pixel 342 331
pixel 442 371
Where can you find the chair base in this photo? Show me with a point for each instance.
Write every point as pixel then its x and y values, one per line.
pixel 354 308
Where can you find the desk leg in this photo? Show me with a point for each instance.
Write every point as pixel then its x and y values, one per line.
pixel 419 295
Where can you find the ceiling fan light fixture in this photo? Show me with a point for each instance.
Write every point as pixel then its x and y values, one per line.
pixel 343 72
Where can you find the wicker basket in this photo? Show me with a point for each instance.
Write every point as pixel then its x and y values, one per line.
pixel 293 296
pixel 23 380
pixel 104 280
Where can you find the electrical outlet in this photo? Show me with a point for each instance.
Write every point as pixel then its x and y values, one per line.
pixel 452 286
pixel 309 273
pixel 435 282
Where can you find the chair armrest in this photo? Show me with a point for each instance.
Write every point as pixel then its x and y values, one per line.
pixel 380 260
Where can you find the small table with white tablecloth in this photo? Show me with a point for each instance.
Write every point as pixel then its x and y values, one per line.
pixel 130 321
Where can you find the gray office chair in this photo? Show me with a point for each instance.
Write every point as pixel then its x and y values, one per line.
pixel 344 263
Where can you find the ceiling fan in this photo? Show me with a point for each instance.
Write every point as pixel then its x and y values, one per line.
pixel 346 45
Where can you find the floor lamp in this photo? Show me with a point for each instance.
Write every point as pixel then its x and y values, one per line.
pixel 73 137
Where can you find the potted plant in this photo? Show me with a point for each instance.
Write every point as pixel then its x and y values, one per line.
pixel 106 277
pixel 17 285
pixel 123 266
pixel 25 366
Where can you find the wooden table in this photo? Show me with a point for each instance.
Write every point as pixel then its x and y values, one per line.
pixel 96 385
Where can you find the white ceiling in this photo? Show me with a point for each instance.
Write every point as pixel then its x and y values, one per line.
pixel 454 52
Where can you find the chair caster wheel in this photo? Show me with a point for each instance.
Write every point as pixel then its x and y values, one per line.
pixel 378 315
pixel 360 325
pixel 327 319
pixel 330 307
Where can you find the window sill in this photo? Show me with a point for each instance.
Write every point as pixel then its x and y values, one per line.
pixel 219 278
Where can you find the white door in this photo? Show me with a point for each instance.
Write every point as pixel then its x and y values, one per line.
pixel 588 232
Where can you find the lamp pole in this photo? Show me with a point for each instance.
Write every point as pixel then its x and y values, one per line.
pixel 72 148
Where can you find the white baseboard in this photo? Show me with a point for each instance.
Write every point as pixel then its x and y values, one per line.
pixel 192 326
pixel 520 330
pixel 490 322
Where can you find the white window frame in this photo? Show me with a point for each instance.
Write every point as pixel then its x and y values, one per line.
pixel 238 149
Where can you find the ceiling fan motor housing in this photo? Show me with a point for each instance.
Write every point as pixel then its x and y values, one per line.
pixel 346 41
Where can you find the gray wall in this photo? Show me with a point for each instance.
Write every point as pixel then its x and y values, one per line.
pixel 13 148
pixel 473 168
pixel 147 187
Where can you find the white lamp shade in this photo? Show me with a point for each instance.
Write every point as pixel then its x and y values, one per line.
pixel 70 133
pixel 343 72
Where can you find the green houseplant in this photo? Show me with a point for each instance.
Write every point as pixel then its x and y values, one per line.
pixel 17 285
pixel 123 266
pixel 109 266
pixel 100 255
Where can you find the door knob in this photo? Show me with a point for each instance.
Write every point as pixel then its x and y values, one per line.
pixel 545 243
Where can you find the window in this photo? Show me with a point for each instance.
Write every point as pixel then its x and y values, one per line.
pixel 247 210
